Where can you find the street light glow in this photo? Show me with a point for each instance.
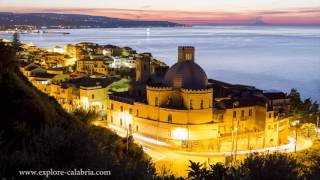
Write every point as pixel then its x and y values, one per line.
pixel 180 134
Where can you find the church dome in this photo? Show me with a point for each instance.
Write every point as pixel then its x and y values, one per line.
pixel 187 75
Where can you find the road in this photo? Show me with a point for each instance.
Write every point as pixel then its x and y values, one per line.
pixel 166 158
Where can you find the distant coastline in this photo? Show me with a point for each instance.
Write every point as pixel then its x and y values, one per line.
pixel 37 21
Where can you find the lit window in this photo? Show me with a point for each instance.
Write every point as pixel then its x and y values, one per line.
pixel 121 108
pixel 92 96
pixel 111 106
pixel 269 115
pixel 234 114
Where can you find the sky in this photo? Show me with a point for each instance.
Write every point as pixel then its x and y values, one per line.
pixel 181 11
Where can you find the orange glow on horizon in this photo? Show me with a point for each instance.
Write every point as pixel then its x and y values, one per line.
pixel 303 16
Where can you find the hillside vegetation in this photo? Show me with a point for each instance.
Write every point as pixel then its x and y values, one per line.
pixel 37 134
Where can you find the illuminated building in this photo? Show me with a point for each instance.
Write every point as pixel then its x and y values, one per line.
pixel 180 110
pixel 92 66
pixel 81 93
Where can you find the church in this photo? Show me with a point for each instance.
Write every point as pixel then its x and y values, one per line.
pixel 180 109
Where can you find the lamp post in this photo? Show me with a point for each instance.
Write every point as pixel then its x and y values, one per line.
pixel 296 123
pixel 234 116
pixel 318 124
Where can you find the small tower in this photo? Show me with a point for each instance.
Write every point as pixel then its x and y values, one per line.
pixel 142 69
pixel 185 53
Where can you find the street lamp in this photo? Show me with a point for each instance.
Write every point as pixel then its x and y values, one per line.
pixel 296 123
pixel 318 124
pixel 234 116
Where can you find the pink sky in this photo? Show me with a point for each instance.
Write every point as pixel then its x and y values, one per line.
pixel 303 16
pixel 181 11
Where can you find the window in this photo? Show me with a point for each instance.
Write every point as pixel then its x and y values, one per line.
pixel 201 104
pixel 169 100
pixel 111 119
pixel 170 118
pixel 191 105
pixel 130 111
pixel 137 112
pixel 242 113
pixel 111 106
pixel 92 96
pixel 137 128
pixel 269 115
pixel 250 112
pixel 234 114
pixel 156 101
pixel 121 108
pixel 120 122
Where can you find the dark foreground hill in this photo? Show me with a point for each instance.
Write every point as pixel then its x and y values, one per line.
pixel 37 134
pixel 53 20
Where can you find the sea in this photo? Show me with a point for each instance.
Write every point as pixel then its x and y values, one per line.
pixel 273 58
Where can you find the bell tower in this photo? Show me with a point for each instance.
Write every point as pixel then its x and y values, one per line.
pixel 142 69
pixel 186 53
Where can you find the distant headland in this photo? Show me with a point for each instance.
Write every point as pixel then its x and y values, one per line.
pixel 32 21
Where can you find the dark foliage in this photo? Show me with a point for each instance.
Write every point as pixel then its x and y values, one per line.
pixel 304 110
pixel 37 134
pixel 262 167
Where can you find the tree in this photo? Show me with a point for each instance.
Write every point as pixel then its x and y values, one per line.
pixel 218 171
pixel 8 62
pixel 197 171
pixel 306 111
pixel 16 44
pixel 269 166
pixel 255 166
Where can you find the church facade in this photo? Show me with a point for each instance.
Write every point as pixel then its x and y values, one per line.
pixel 180 110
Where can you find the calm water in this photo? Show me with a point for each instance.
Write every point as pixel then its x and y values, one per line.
pixel 271 58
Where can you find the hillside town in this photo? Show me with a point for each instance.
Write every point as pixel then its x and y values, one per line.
pixel 139 95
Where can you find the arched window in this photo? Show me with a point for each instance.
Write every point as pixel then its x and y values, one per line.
pixel 156 101
pixel 170 118
pixel 191 105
